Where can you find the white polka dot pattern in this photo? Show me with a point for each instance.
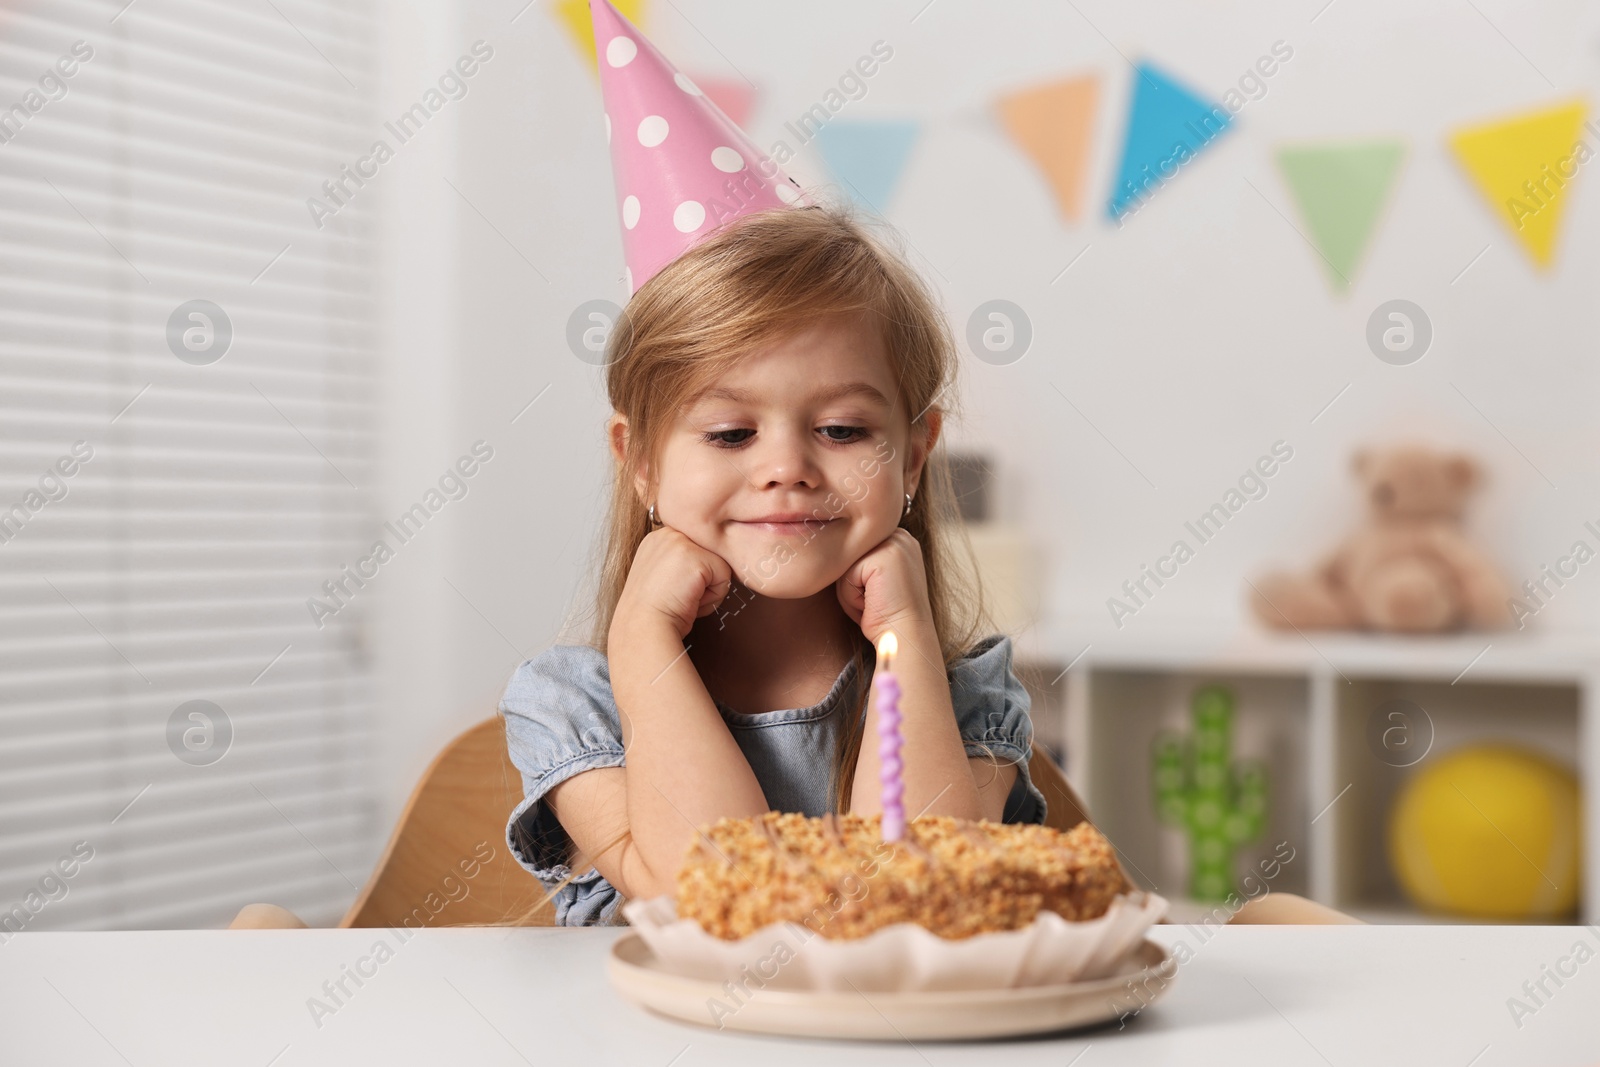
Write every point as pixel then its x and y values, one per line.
pixel 620 51
pixel 687 169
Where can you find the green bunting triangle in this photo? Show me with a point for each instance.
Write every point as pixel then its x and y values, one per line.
pixel 1341 189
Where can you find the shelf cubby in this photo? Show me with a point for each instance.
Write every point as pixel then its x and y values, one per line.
pixel 1315 709
pixel 1540 716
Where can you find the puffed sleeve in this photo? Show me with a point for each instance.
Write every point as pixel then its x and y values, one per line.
pixel 991 706
pixel 561 720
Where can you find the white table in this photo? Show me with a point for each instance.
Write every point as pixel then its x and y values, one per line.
pixel 1322 996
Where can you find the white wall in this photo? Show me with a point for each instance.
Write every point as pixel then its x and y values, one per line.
pixel 1192 338
pixel 412 614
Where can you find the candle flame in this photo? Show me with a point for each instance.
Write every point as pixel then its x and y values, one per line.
pixel 888 645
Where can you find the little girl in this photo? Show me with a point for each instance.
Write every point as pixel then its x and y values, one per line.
pixel 780 501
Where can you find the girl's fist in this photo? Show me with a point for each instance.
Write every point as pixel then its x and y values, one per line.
pixel 673 580
pixel 887 587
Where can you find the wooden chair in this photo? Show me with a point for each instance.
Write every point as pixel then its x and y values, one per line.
pixel 457 815
pixel 1064 809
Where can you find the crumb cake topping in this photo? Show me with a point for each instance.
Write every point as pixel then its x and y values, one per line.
pixel 836 876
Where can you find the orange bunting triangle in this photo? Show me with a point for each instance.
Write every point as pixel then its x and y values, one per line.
pixel 1052 123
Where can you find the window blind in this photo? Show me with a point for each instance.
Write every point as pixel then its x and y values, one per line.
pixel 186 429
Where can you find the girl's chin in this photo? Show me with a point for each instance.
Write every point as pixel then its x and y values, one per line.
pixel 783 583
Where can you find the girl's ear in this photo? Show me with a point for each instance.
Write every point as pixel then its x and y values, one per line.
pixel 922 443
pixel 617 437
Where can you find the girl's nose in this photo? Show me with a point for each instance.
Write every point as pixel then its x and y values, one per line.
pixel 787 457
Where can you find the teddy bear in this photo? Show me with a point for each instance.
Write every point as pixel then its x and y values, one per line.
pixel 1409 569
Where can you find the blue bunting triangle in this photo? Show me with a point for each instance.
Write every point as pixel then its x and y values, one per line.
pixel 868 157
pixel 1167 126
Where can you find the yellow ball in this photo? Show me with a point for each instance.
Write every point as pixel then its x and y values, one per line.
pixel 1490 831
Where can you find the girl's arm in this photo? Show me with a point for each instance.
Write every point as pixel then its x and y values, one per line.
pixel 994 778
pixel 683 767
pixel 1289 909
pixel 592 808
pixel 939 779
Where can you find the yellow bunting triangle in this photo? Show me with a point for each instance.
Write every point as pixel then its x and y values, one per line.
pixel 1522 165
pixel 574 15
pixel 1051 123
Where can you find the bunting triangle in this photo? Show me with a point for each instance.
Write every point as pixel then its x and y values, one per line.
pixel 868 157
pixel 1052 123
pixel 574 15
pixel 1167 126
pixel 735 98
pixel 1522 166
pixel 1340 190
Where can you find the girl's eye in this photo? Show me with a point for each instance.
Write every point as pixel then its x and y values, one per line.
pixel 719 438
pixel 846 435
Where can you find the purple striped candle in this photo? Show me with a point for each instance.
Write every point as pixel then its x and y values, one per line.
pixel 887 689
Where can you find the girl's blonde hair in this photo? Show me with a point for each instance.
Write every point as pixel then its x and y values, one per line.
pixel 760 279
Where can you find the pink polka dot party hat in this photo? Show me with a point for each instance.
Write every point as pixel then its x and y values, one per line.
pixel 682 167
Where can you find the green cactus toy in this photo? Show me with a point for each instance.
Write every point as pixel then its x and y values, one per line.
pixel 1221 804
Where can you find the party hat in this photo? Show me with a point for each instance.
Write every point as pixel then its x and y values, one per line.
pixel 682 167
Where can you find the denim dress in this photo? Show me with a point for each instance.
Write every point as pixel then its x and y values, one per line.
pixel 561 720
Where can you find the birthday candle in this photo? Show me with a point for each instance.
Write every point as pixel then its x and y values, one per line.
pixel 887 689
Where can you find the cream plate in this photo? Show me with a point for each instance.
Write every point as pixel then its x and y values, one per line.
pixel 639 976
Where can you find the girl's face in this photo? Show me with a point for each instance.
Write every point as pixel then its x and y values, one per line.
pixel 796 463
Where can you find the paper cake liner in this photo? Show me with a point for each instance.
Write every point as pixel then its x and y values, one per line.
pixel 902 957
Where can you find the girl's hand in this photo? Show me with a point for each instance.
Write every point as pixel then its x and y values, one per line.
pixel 888 587
pixel 672 580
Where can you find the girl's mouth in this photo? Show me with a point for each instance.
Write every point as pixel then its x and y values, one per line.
pixel 789 529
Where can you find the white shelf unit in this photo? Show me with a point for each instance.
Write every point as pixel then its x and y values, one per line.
pixel 1302 704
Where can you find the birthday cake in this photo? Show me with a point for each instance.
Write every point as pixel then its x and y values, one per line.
pixel 835 875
